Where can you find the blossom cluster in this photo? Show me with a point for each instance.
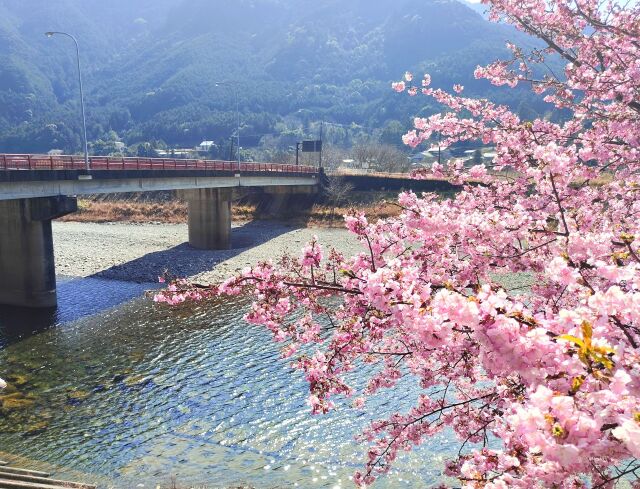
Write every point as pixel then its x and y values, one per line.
pixel 550 369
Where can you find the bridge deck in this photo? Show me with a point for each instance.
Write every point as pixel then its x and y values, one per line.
pixel 29 176
pixel 44 162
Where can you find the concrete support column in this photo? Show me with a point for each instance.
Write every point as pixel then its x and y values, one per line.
pixel 27 267
pixel 209 217
pixel 283 200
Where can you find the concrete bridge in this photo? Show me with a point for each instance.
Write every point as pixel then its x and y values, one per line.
pixel 34 189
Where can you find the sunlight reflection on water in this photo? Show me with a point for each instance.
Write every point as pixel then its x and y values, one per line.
pixel 140 392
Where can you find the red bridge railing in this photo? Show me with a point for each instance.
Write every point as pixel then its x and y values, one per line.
pixel 45 162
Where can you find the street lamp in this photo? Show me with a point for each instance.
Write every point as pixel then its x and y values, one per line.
pixel 84 119
pixel 235 89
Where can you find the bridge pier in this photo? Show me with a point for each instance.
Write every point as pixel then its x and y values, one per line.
pixel 27 267
pixel 283 200
pixel 209 217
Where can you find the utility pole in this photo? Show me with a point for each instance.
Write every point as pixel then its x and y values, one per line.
pixel 236 92
pixel 297 153
pixel 231 148
pixel 321 134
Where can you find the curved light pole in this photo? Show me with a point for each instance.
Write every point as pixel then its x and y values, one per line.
pixel 84 119
pixel 235 89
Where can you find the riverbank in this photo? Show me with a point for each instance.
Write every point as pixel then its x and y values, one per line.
pixel 167 209
pixel 141 252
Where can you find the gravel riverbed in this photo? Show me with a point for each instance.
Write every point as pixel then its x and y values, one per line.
pixel 142 252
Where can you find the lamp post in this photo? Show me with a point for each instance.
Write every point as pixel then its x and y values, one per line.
pixel 84 119
pixel 235 89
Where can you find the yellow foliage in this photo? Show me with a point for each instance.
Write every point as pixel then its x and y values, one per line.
pixel 587 352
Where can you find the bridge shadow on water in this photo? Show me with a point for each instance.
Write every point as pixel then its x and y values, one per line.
pixel 79 297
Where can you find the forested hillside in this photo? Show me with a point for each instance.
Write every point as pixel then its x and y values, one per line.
pixel 151 68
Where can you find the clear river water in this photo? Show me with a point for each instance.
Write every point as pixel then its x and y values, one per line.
pixel 131 393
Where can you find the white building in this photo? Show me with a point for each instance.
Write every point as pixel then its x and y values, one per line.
pixel 206 146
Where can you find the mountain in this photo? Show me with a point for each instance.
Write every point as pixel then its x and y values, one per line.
pixel 151 67
pixel 482 9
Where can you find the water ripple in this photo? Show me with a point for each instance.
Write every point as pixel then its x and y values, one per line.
pixel 141 392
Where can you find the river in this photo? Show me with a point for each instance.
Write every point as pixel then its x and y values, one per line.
pixel 129 392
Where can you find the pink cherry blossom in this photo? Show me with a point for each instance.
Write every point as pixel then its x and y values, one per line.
pixel 540 381
pixel 399 86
